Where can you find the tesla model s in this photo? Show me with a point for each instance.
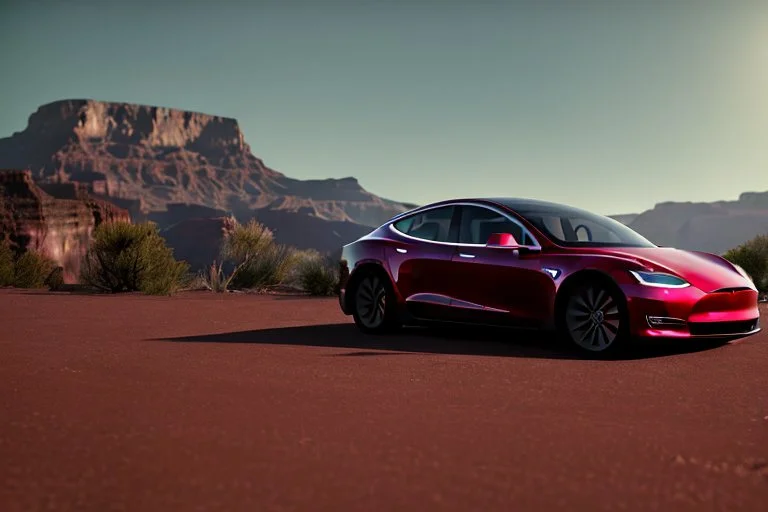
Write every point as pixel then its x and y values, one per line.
pixel 540 265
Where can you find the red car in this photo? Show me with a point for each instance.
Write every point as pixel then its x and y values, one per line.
pixel 534 264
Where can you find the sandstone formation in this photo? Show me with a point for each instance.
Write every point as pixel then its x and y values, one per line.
pixel 60 227
pixel 158 156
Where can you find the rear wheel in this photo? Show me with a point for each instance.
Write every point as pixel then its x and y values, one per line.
pixel 594 317
pixel 374 308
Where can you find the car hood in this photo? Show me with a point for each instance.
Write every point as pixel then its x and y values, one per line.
pixel 705 271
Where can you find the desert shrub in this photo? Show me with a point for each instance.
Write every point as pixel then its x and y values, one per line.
pixel 259 263
pixel 6 264
pixel 269 268
pixel 31 269
pixel 195 282
pixel 55 280
pixel 215 279
pixel 317 275
pixel 752 256
pixel 246 241
pixel 126 257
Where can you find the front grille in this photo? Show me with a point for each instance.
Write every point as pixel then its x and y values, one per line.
pixel 724 328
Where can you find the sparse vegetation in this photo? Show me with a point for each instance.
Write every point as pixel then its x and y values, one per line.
pixel 29 269
pixel 126 257
pixel 215 279
pixel 252 260
pixel 55 280
pixel 256 261
pixel 317 274
pixel 752 256
pixel 6 264
pixel 267 270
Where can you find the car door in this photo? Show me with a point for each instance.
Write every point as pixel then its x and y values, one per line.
pixel 495 284
pixel 420 260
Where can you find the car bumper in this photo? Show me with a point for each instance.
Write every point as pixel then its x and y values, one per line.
pixel 692 313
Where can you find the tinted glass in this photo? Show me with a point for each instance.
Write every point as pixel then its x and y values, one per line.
pixel 478 224
pixel 433 225
pixel 578 228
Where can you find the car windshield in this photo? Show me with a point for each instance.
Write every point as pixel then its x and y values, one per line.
pixel 572 227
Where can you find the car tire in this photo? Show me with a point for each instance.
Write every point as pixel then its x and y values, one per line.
pixel 374 305
pixel 594 318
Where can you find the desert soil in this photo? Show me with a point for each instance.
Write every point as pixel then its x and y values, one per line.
pixel 233 402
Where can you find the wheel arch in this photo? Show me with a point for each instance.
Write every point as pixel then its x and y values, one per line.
pixel 579 277
pixel 362 269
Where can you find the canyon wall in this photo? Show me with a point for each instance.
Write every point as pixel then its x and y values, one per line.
pixel 160 156
pixel 60 228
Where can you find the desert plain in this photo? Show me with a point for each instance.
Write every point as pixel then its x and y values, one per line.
pixel 235 402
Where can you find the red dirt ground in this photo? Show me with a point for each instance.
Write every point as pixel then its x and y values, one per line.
pixel 212 402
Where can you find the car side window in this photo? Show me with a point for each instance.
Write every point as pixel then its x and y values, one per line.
pixel 554 225
pixel 478 224
pixel 433 225
pixel 587 231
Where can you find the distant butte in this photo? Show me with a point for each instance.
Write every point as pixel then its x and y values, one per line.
pixel 160 156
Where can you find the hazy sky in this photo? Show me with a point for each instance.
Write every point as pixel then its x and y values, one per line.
pixel 607 105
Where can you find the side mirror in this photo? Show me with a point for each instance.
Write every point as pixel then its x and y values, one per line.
pixel 502 240
pixel 507 241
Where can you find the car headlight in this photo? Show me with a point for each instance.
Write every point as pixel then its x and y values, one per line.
pixel 743 273
pixel 659 279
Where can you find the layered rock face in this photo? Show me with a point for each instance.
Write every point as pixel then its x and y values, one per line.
pixel 61 228
pixel 185 171
pixel 160 156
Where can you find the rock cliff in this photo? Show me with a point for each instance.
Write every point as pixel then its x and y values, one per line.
pixel 58 227
pixel 159 156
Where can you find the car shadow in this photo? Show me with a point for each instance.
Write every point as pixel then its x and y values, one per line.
pixel 453 340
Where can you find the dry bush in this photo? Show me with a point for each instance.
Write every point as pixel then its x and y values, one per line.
pixel 215 279
pixel 6 264
pixel 752 256
pixel 31 269
pixel 55 280
pixel 317 274
pixel 259 263
pixel 126 257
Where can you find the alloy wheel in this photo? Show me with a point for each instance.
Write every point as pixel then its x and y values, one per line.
pixel 371 302
pixel 593 318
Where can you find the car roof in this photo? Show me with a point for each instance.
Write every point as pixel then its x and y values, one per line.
pixel 522 203
pixel 512 203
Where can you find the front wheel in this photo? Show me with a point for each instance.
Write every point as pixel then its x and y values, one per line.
pixel 374 308
pixel 594 318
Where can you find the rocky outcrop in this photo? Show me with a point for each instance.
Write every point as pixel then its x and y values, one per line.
pixel 60 227
pixel 159 156
pixel 713 227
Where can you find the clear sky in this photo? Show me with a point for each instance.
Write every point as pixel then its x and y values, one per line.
pixel 607 105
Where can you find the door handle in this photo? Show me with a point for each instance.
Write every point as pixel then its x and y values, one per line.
pixel 401 251
pixel 465 255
